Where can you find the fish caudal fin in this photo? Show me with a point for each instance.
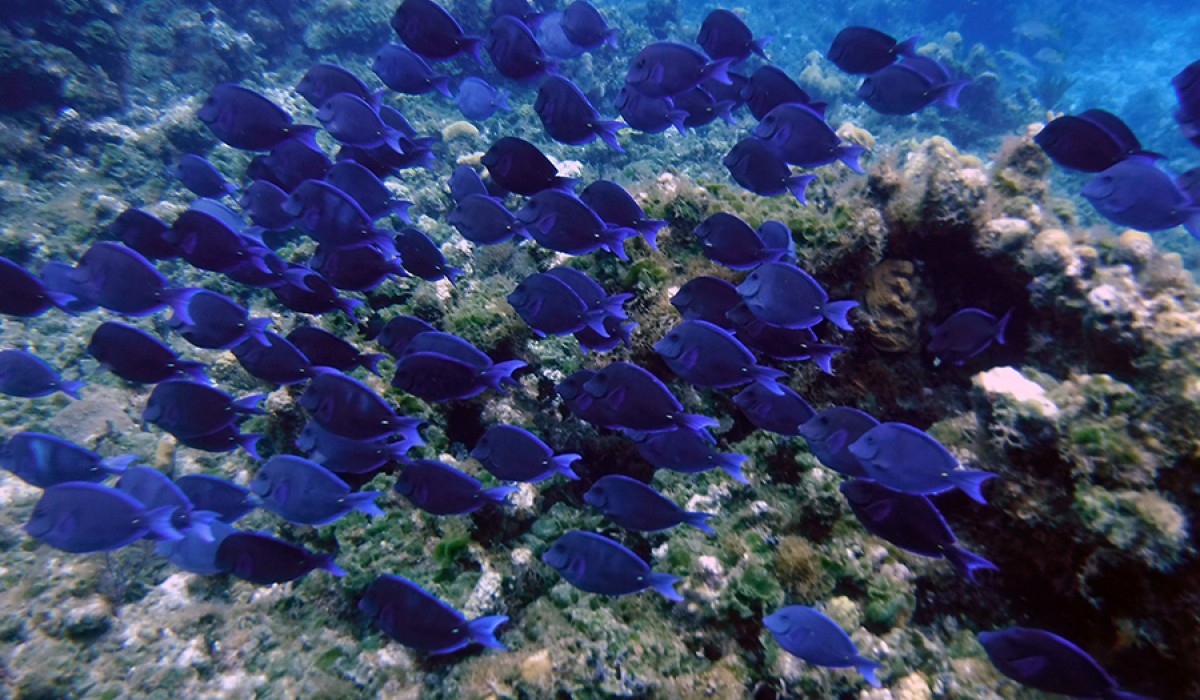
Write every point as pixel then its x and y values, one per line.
pixel 501 374
pixel 849 154
pixel 1001 325
pixel 967 562
pixel 798 186
pixel 364 501
pixel 732 465
pixel 836 312
pixel 699 521
pixel 719 71
pixel 482 630
pixel 664 584
pixel 158 522
pixel 498 494
pixel 195 370
pixel 369 361
pixel 768 377
pixel 326 562
pixel 562 465
pixel 249 443
pixel 607 131
pixel 118 464
pixel 700 424
pixel 908 47
pixel 948 94
pixel 71 388
pixel 867 668
pixel 971 482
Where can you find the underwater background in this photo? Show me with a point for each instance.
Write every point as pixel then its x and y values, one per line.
pixel 1086 412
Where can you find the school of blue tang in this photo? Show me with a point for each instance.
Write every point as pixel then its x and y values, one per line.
pixel 728 336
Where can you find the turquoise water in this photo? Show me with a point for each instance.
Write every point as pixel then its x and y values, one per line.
pixel 1083 406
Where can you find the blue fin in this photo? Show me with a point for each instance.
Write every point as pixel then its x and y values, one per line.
pixel 732 464
pixel 562 465
pixel 498 493
pixel 697 423
pixel 849 154
pixel 835 312
pixel 867 668
pixel 967 562
pixel 158 521
pixel 698 521
pixel 908 47
pixel 364 501
pixel 325 561
pixel 71 387
pixel 607 131
pixel 482 630
pixel 664 584
pixel 798 184
pixel 118 464
pixel 970 482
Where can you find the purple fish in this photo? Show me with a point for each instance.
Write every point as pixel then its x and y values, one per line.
pixel 830 433
pixel 428 29
pixel 768 87
pixel 398 332
pixel 514 454
pixel 135 355
pixel 484 220
pixel 911 85
pixel 706 299
pixel 27 376
pixel 440 489
pixel 664 69
pixel 965 334
pixel 324 349
pixel 862 50
pixel 585 27
pixel 201 177
pixel 1091 141
pixel 633 398
pixel 617 207
pixel 782 413
pixel 637 506
pixel 290 163
pixel 80 517
pixel 755 166
pixel 703 354
pixel 367 190
pixel 702 109
pixel 909 460
pixel 422 258
pixel 1137 193
pixel 45 460
pixel 324 80
pixel 22 294
pixel 518 166
pixel 729 241
pixel 780 294
pixel 562 222
pixel 192 410
pixel 225 498
pixel 687 451
pixel 354 122
pixel 348 408
pixel 118 279
pixel 478 100
pixel 724 35
pixel 801 137
pixel 245 119
pixel 277 362
pixel 265 560
pixel 412 616
pixel 305 493
pixel 652 115
pixel 596 564
pixel 569 118
pixel 551 307
pixel 144 233
pixel 207 243
pixel 1045 661
pixel 404 71
pixel 514 50
pixel 216 322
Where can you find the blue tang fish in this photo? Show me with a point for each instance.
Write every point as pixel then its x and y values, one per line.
pixel 360 267
pixel 398 332
pixel 911 85
pixel 224 439
pixel 262 559
pixel 119 279
pixel 153 489
pixel 189 409
pixel 80 517
pixel 830 433
pixel 909 460
pixel 781 413
pixel 1187 90
pixel 207 243
pixel 583 404
pixel 1045 661
pixel 706 299
pixel 464 182
pixel 754 165
pixel 478 100
pixel 791 344
pixel 590 291
pixel 1137 193
pixel 665 69
pixel 585 27
pixel 345 456
pixel 23 294
pixel 703 354
pixel 862 50
pixel 135 355
pixel 263 203
pixel 228 500
pixel 768 87
pixel 551 307
pixel 562 222
pixel 412 616
pixel 484 220
pixel 316 296
pixel 724 35
pixel 553 39
pixel 428 29
pixel 435 377
pixel 729 241
pixel 686 451
pixel 651 115
pixel 144 233
pixel 324 349
pixel 1091 142
pixel 637 506
pixel 518 166
pixel 802 137
pixel 781 294
pixel 201 177
pixel 421 257
pixel 631 397
pixel 617 332
pixel 194 553
pixel 45 460
pixel 910 522
pixel 324 80
pixel 515 52
pixel 702 108
pixel 305 493
pixel 290 163
pixel 570 118
pixel 440 489
pixel 277 362
pixel 27 376
pixel 807 633
pixel 967 333
pixel 617 207
pixel 521 9
pixel 348 408
pixel 596 564
pixel 367 190
pixel 244 119
pixel 216 322
pixel 353 122
pixel 514 454
pixel 404 71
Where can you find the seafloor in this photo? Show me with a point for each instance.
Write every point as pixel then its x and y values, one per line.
pixel 1087 413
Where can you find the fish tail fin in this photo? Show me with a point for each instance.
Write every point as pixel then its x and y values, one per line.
pixel 195 370
pixel 118 464
pixel 595 320
pixel 664 584
pixel 452 274
pixel 200 522
pixel 760 46
pixel 305 134
pixel 649 231
pixel 498 494
pixel 501 100
pixel 256 328
pixel 610 38
pixel 971 482
pixel 364 501
pixel 400 208
pixel 700 424
pixel 613 306
pixel 678 117
pixel 614 242
pixel 1002 325
pixel 849 154
pixel 699 521
pixel 908 47
pixel 326 562
pixel 62 301
pixel 158 521
pixel 731 464
pixel 566 184
pixel 724 110
pixel 822 355
pixel 607 131
pixel 249 404
pixel 562 464
pixel 178 299
pixel 718 71
pixel 470 46
pixel 411 433
pixel 249 443
pixel 836 311
pixel 798 186
pixel 626 332
pixel 441 83
pixel 70 387
pixel 867 668
pixel 501 374
pixel 298 277
pixel 1192 224
pixel 482 630
pixel 768 377
pixel 347 306
pixel 948 94
pixel 369 361
pixel 967 562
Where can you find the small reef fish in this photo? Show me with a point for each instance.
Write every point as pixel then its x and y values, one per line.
pixel 596 564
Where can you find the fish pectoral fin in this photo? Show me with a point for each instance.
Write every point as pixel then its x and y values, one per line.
pixel 1029 667
pixel 837 440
